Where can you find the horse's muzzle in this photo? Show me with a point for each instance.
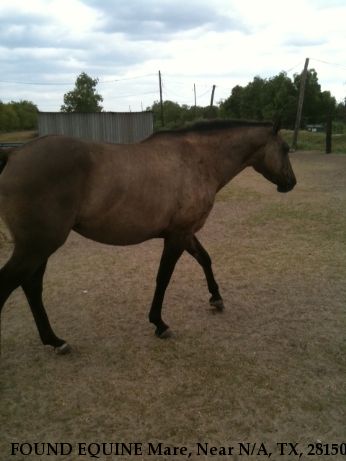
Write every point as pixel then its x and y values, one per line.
pixel 286 187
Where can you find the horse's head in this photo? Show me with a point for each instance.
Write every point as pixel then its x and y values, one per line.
pixel 273 162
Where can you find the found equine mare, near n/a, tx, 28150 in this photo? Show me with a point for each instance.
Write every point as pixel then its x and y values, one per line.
pixel 163 187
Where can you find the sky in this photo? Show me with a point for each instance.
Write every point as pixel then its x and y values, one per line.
pixel 46 44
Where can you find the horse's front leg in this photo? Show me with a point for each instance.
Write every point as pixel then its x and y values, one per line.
pixel 173 249
pixel 194 247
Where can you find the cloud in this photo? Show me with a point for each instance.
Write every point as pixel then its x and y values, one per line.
pixel 32 43
pixel 160 19
pixel 222 42
pixel 302 41
pixel 32 30
pixel 326 4
pixel 20 29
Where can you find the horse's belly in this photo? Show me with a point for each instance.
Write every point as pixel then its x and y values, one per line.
pixel 139 216
pixel 115 237
pixel 121 230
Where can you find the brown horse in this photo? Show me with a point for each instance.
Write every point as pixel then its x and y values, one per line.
pixel 163 187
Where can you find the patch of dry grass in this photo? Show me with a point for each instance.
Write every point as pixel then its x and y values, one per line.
pixel 270 368
pixel 18 136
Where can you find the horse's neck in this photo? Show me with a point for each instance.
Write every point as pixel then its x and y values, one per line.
pixel 234 151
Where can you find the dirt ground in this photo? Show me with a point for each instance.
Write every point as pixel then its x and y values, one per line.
pixel 270 369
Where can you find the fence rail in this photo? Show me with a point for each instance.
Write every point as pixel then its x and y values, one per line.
pixel 113 127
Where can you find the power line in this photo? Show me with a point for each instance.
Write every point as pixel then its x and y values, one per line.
pixel 291 68
pixel 171 92
pixel 330 63
pixel 130 95
pixel 33 83
pixel 172 77
pixel 204 93
pixel 69 83
pixel 127 78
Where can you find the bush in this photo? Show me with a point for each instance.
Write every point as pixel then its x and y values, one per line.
pixel 20 115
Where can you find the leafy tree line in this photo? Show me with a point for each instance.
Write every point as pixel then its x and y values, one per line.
pixel 261 99
pixel 20 115
pixel 264 98
pixel 175 115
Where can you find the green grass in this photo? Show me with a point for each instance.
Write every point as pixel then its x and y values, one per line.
pixel 18 136
pixel 316 141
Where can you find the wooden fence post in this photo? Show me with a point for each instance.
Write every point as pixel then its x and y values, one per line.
pixel 161 101
pixel 212 96
pixel 329 135
pixel 300 104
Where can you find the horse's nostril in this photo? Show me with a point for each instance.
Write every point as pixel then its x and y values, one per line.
pixel 287 186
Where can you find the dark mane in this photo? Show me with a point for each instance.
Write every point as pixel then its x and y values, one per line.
pixel 212 125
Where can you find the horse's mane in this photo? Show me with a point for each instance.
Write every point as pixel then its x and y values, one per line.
pixel 204 126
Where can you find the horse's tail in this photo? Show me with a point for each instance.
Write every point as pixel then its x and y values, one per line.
pixel 4 154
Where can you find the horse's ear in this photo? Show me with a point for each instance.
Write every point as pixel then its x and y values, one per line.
pixel 277 121
pixel 276 125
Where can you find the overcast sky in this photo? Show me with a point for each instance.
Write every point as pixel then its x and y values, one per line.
pixel 46 44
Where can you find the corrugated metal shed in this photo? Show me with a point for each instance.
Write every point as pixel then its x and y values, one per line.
pixel 113 127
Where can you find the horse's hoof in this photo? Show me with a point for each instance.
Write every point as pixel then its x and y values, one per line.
pixel 164 334
pixel 218 304
pixel 63 349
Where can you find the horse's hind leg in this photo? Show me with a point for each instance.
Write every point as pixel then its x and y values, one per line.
pixel 26 268
pixel 196 250
pixel 32 288
pixel 12 275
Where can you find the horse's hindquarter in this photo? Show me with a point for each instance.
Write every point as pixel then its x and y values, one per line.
pixel 40 189
pixel 137 192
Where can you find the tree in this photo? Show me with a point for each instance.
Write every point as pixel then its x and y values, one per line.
pixel 9 120
pixel 232 106
pixel 280 100
pixel 317 105
pixel 341 111
pixel 27 114
pixel 84 97
pixel 20 115
pixel 260 99
pixel 176 116
pixel 265 99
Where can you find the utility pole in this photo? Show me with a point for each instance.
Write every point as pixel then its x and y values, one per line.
pixel 300 104
pixel 161 102
pixel 194 91
pixel 212 96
